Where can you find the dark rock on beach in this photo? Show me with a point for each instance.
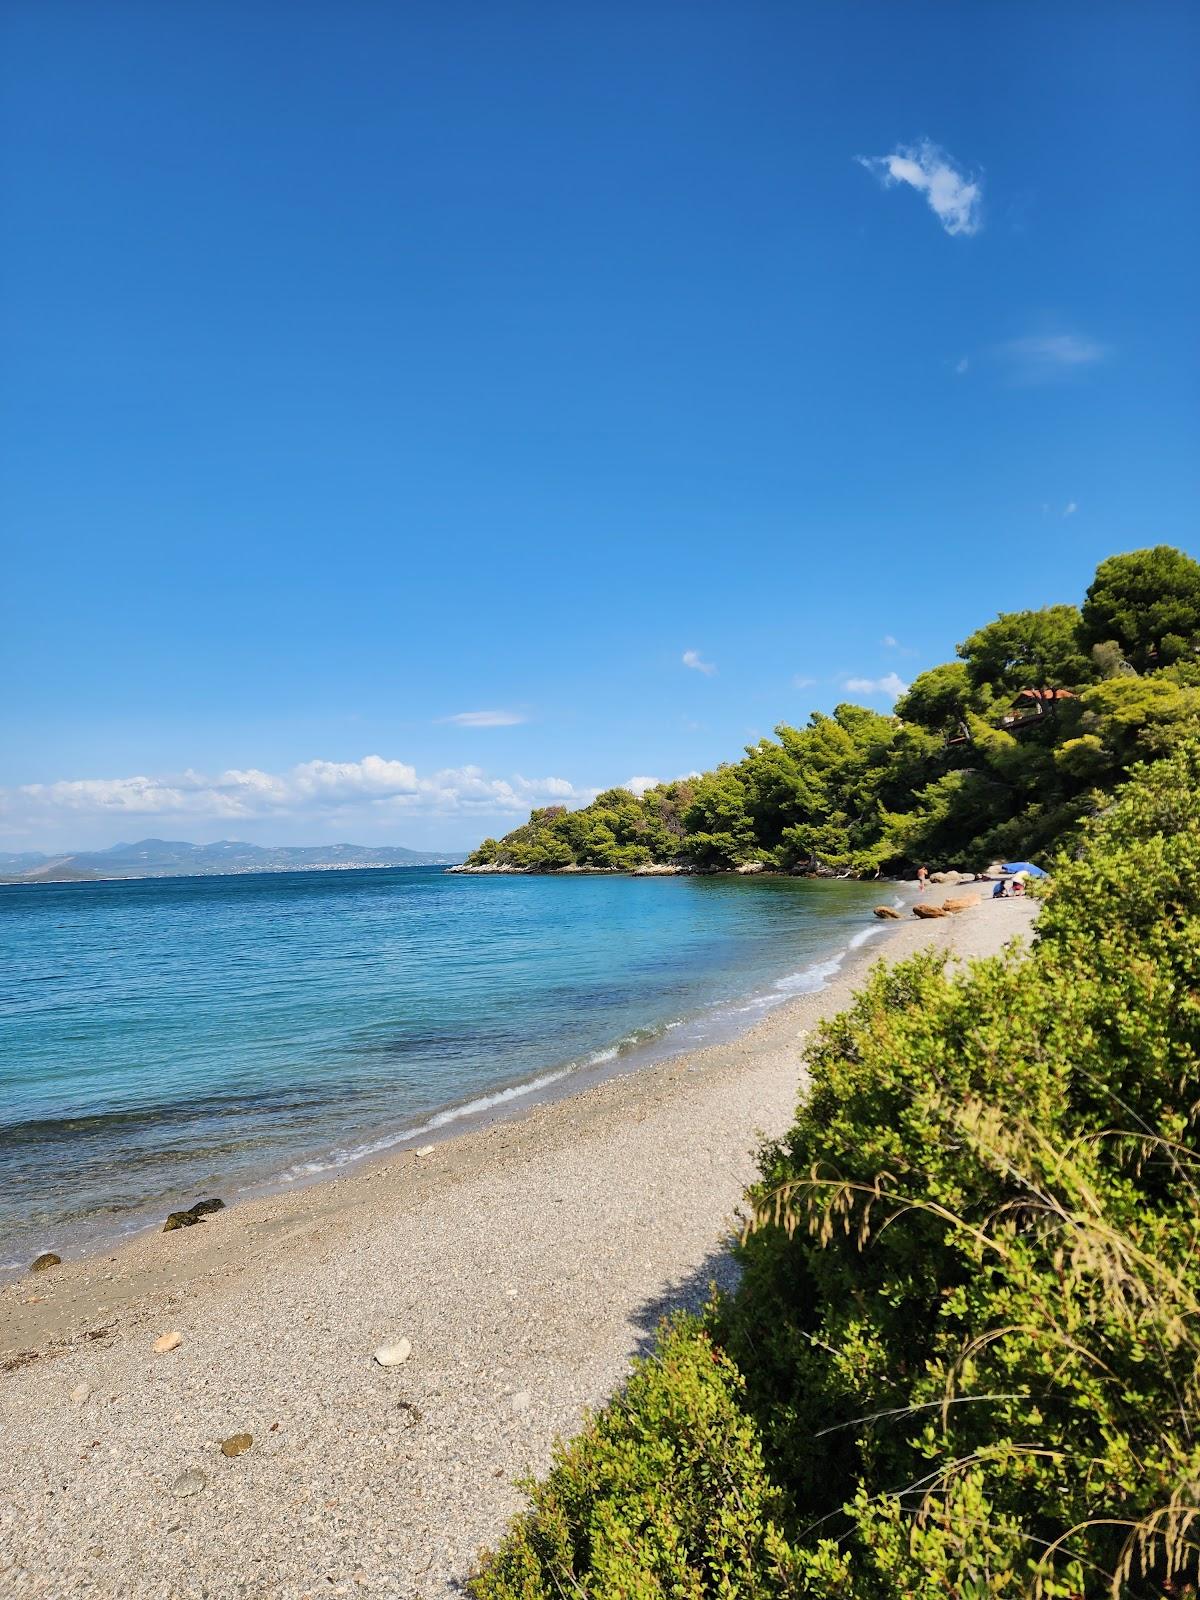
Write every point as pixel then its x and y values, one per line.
pixel 45 1260
pixel 193 1215
pixel 180 1219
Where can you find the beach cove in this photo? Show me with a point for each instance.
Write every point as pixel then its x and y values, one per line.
pixel 525 1262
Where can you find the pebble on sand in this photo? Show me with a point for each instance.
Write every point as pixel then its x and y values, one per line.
pixel 521 1400
pixel 166 1342
pixel 46 1259
pixel 425 1150
pixel 80 1393
pixel 393 1355
pixel 237 1444
pixel 189 1482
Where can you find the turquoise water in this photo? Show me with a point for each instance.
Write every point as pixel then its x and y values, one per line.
pixel 165 1039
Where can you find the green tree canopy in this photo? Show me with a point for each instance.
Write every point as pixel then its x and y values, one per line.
pixel 1148 601
pixel 1028 650
pixel 940 698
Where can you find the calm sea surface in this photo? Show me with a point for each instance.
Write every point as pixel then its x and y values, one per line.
pixel 166 1039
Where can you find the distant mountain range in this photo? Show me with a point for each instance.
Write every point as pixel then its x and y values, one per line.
pixel 172 858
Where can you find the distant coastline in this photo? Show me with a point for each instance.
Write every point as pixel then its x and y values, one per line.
pixel 166 858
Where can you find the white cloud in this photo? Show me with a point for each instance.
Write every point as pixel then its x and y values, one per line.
pixel 371 788
pixel 801 682
pixel 954 198
pixel 640 785
pixel 486 719
pixel 1047 358
pixel 892 685
pixel 1070 509
pixel 961 366
pixel 889 642
pixel 691 658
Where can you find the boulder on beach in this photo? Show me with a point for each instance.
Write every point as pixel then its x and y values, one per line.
pixel 44 1261
pixel 963 903
pixel 930 911
pixel 193 1214
pixel 180 1219
pixel 887 913
pixel 751 866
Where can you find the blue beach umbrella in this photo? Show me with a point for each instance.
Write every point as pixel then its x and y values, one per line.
pixel 1023 866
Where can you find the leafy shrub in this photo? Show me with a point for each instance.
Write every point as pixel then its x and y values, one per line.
pixel 663 1494
pixel 964 1355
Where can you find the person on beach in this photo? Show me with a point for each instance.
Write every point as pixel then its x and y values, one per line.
pixel 1000 890
pixel 922 875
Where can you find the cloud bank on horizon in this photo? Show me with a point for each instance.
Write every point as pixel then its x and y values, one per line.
pixel 374 788
pixel 955 199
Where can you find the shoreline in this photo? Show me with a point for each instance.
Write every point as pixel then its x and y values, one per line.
pixel 526 1260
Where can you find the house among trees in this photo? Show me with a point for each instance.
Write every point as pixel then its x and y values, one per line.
pixel 1031 704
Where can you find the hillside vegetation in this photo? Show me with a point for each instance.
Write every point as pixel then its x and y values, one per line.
pixel 970 766
pixel 963 1358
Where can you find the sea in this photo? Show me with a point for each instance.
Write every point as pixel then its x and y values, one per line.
pixel 162 1040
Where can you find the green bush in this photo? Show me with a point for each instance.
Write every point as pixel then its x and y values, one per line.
pixel 964 1355
pixel 662 1495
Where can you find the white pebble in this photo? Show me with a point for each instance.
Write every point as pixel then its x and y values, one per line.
pixel 425 1150
pixel 189 1482
pixel 80 1393
pixel 393 1355
pixel 520 1401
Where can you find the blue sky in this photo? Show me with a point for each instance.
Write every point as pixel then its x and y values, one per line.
pixel 431 383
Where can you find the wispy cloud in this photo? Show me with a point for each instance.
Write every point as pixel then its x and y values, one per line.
pixel 373 788
pixel 691 658
pixel 961 366
pixel 954 198
pixel 892 685
pixel 801 682
pixel 486 719
pixel 1050 357
pixel 890 642
pixel 1070 509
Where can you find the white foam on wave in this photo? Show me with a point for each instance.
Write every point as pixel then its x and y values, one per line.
pixel 470 1108
pixel 809 980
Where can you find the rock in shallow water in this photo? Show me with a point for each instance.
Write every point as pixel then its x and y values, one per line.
pixel 393 1355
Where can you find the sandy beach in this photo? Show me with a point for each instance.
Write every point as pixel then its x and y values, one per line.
pixel 525 1262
